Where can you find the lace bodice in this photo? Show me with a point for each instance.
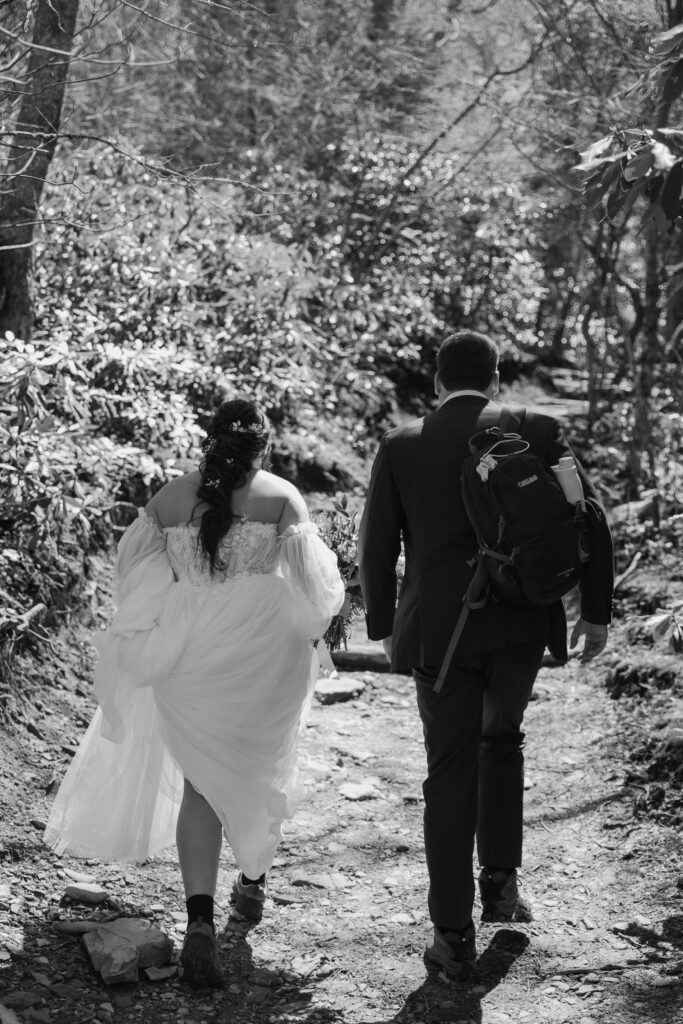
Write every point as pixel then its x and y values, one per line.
pixel 248 548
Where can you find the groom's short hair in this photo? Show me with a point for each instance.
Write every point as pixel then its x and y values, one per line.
pixel 466 360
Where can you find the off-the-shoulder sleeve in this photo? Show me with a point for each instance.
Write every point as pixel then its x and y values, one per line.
pixel 141 548
pixel 311 568
pixel 143 576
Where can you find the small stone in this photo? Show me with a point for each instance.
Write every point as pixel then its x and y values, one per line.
pixel 257 994
pixel 107 1007
pixel 122 1000
pixel 21 999
pixel 588 923
pixel 5 955
pixel 41 979
pixel 33 1016
pixel 234 989
pixel 325 880
pixel 161 973
pixel 157 908
pixel 336 849
pixel 86 892
pixel 39 824
pixel 402 918
pixel 8 1016
pixel 178 915
pixel 620 926
pixel 5 896
pixel 642 922
pixel 262 976
pixel 358 791
pixel 335 690
pixel 79 876
pixel 64 991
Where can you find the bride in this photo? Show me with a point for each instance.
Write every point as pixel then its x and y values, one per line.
pixel 203 679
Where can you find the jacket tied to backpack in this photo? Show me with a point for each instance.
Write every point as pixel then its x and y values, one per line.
pixel 532 543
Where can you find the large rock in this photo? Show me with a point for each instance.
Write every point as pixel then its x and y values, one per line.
pixel 119 949
pixel 336 688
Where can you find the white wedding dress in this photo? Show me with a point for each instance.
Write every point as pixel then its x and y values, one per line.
pixel 203 676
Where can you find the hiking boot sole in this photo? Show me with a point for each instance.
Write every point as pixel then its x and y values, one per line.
pixel 200 963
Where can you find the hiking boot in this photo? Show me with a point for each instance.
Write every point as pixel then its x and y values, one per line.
pixel 453 952
pixel 248 900
pixel 199 958
pixel 500 899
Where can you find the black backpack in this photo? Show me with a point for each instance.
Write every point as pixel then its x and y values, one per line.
pixel 532 543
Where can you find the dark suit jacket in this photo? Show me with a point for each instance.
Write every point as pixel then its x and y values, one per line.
pixel 414 495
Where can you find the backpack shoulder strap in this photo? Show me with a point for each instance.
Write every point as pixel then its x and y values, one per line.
pixel 511 419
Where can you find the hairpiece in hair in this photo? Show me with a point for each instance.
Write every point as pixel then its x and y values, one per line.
pixel 208 444
pixel 250 428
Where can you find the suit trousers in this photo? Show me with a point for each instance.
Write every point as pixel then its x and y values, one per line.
pixel 475 771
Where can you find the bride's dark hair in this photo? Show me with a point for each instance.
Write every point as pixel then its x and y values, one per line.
pixel 237 434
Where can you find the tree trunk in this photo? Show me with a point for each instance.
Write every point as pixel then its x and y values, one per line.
pixel 31 151
pixel 649 358
pixel 650 355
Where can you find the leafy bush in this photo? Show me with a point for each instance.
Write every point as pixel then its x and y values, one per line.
pixel 326 306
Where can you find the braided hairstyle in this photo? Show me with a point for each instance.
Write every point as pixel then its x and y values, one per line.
pixel 236 435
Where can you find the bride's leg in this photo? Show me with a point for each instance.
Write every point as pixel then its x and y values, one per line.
pixel 198 837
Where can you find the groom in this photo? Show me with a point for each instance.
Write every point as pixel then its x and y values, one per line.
pixel 472 728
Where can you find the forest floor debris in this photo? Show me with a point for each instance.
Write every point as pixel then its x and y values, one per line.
pixel 344 929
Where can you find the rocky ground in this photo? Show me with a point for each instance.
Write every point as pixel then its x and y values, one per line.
pixel 344 930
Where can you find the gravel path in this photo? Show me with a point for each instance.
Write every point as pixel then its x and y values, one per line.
pixel 344 930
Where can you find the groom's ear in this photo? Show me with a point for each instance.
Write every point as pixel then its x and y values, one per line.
pixel 437 384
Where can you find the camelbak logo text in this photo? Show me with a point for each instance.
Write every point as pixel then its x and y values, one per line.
pixel 529 480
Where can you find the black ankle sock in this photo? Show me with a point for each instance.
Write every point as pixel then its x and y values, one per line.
pixel 253 881
pixel 200 905
pixel 458 931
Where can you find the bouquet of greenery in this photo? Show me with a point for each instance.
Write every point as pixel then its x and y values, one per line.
pixel 338 527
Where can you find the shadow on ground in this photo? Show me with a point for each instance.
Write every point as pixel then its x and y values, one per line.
pixel 448 1002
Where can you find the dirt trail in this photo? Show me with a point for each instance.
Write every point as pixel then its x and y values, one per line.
pixel 344 932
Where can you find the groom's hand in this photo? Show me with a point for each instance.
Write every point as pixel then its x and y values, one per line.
pixel 594 644
pixel 386 644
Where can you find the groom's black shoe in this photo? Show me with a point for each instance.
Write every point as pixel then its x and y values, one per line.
pixel 453 952
pixel 500 899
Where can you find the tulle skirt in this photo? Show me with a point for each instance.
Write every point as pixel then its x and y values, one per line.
pixel 215 692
